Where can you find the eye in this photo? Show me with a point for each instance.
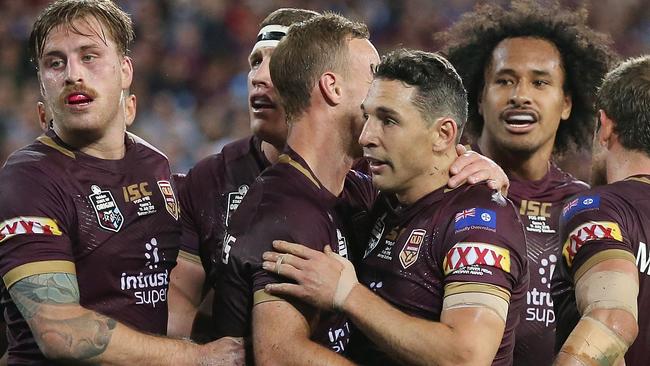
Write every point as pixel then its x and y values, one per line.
pixel 540 83
pixel 504 82
pixel 56 63
pixel 88 57
pixel 255 62
pixel 389 121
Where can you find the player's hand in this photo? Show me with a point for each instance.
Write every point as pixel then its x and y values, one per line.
pixel 324 279
pixel 473 167
pixel 224 351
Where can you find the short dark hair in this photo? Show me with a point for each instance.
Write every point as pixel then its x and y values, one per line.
pixel 309 49
pixel 439 88
pixel 288 16
pixel 65 12
pixel 586 57
pixel 625 98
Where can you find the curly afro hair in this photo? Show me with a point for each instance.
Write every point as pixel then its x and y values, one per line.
pixel 586 57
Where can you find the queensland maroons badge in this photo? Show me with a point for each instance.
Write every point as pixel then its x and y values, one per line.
pixel 108 213
pixel 170 199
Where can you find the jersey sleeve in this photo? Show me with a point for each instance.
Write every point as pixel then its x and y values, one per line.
pixel 592 229
pixel 35 225
pixel 484 244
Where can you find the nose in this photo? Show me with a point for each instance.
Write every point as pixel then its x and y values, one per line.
pixel 73 71
pixel 368 137
pixel 520 95
pixel 261 76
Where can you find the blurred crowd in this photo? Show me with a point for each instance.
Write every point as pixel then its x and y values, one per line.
pixel 190 59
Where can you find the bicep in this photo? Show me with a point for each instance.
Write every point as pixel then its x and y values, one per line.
pixel 479 327
pixel 40 291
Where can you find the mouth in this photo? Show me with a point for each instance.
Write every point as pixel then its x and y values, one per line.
pixel 261 102
pixel 376 166
pixel 78 99
pixel 519 120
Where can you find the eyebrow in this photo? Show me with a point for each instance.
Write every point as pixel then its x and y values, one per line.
pixel 535 72
pixel 60 53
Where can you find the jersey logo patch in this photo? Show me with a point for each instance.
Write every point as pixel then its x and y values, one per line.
pixel 580 204
pixel 475 218
pixel 592 230
pixel 234 199
pixel 170 199
pixel 409 253
pixel 375 234
pixel 28 225
pixel 465 254
pixel 108 214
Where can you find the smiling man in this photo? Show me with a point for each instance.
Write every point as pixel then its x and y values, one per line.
pixel 444 271
pixel 88 215
pixel 531 73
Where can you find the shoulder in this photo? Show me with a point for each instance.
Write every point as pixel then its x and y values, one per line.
pixel 145 148
pixel 564 180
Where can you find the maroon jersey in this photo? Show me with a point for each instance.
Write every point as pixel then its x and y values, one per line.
pixel 539 204
pixel 287 202
pixel 448 239
pixel 210 194
pixel 607 222
pixel 112 222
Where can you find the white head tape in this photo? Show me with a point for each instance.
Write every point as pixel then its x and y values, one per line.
pixel 270 36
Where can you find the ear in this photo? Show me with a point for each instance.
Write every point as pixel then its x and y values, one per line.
pixel 127 72
pixel 130 105
pixel 330 89
pixel 606 132
pixel 444 134
pixel 566 107
pixel 42 116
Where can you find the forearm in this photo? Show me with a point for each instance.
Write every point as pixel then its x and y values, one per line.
pixel 184 296
pixel 415 341
pixel 88 337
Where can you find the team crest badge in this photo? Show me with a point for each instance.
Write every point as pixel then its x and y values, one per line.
pixel 234 199
pixel 409 253
pixel 170 199
pixel 108 214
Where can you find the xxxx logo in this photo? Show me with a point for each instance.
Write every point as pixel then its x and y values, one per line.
pixel 28 225
pixel 593 230
pixel 465 254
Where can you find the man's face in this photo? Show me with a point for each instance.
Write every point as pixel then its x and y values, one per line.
pixel 266 113
pixel 396 140
pixel 82 77
pixel 523 99
pixel 362 56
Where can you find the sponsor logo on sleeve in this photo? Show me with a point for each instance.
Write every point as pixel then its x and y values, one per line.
pixel 580 204
pixel 475 218
pixel 411 249
pixel 592 230
pixel 28 225
pixel 108 213
pixel 170 199
pixel 468 254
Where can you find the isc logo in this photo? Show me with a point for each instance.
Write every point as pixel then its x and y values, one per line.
pixel 136 191
pixel 534 208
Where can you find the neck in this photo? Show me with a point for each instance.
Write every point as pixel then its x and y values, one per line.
pixel 109 145
pixel 518 164
pixel 623 163
pixel 315 138
pixel 428 181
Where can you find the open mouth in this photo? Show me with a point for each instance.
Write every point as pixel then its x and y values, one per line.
pixel 78 99
pixel 259 102
pixel 376 165
pixel 519 120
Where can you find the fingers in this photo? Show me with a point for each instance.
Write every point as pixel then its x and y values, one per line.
pixel 284 289
pixel 330 253
pixel 297 250
pixel 460 149
pixel 289 259
pixel 281 269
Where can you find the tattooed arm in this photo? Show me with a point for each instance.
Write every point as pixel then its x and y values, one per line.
pixel 66 331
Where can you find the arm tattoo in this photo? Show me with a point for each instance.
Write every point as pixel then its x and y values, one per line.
pixel 43 300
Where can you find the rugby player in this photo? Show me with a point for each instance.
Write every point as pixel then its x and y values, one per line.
pixel 226 178
pixel 445 271
pixel 604 234
pixel 89 225
pixel 531 72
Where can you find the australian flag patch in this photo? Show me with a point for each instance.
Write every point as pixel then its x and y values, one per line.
pixel 579 204
pixel 475 218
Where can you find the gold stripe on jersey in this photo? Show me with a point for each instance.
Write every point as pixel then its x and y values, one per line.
pixel 462 287
pixel 639 179
pixel 261 296
pixel 600 257
pixel 189 257
pixel 286 159
pixel 36 268
pixel 46 140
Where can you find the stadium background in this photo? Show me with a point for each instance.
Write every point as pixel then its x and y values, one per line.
pixel 190 60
